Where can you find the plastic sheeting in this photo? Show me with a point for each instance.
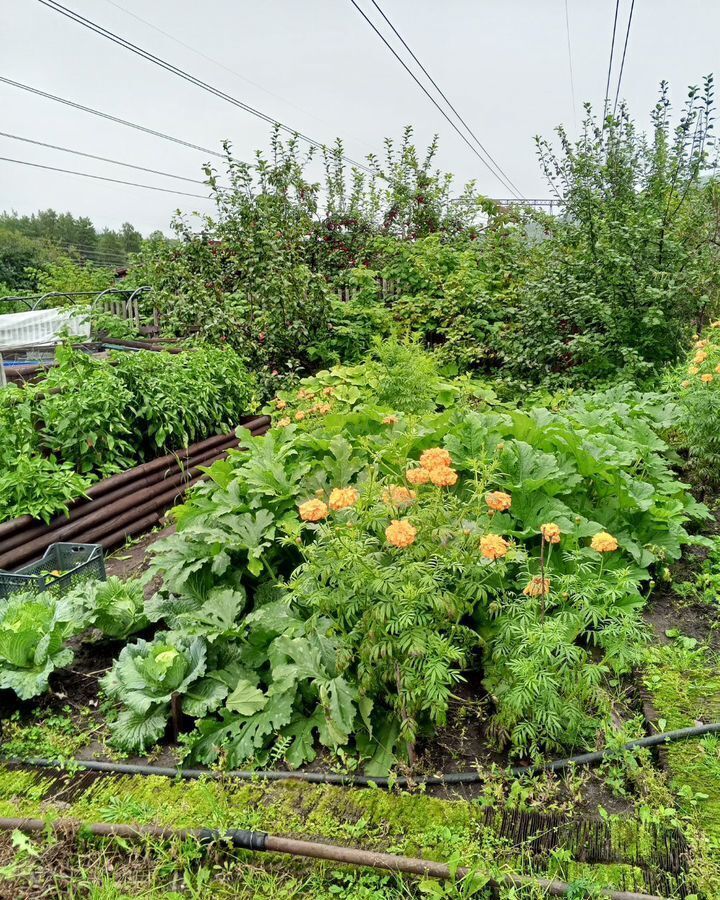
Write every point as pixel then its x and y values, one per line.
pixel 41 326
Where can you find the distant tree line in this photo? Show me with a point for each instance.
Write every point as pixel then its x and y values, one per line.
pixel 30 244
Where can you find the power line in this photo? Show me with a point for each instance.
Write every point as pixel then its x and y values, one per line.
pixel 186 76
pixel 427 94
pixel 610 62
pixel 570 62
pixel 216 62
pixel 104 115
pixel 499 173
pixel 622 62
pixel 117 162
pixel 148 187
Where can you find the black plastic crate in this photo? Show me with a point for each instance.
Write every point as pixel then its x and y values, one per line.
pixel 77 561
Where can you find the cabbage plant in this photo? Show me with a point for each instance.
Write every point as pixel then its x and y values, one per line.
pixel 114 606
pixel 147 675
pixel 33 632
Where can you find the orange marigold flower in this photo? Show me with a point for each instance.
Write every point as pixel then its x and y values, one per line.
pixel 283 423
pixel 701 345
pixel 280 404
pixel 302 394
pixel 498 501
pixel 700 356
pixel 390 420
pixel 537 587
pixel 715 324
pixel 707 378
pixel 717 367
pixel 434 457
pixel 551 532
pixel 341 498
pixel 418 476
pixel 693 370
pixel 313 511
pixel 299 415
pixel 400 533
pixel 443 477
pixel 603 542
pixel 686 384
pixel 328 391
pixel 492 546
pixel 398 495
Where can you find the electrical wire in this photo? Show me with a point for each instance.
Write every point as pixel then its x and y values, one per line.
pixel 570 63
pixel 149 187
pixel 429 96
pixel 612 53
pixel 221 65
pixel 116 119
pixel 622 62
pixel 444 96
pixel 117 162
pixel 192 79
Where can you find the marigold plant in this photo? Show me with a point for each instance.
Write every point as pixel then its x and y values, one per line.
pixel 400 533
pixel 551 532
pixel 498 501
pixel 441 476
pixel 398 495
pixel 603 542
pixel 434 457
pixel 342 498
pixel 418 476
pixel 313 510
pixel 493 546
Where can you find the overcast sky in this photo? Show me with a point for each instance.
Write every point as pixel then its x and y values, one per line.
pixel 316 65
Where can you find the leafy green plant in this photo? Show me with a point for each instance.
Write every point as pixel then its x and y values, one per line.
pixel 33 632
pixel 696 385
pixel 114 606
pixel 144 680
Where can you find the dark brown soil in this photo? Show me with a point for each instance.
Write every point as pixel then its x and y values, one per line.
pixel 133 559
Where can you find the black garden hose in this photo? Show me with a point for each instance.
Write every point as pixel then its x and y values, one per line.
pixel 474 777
pixel 259 841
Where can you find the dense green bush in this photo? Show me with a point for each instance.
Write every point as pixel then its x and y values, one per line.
pixel 413 573
pixel 89 418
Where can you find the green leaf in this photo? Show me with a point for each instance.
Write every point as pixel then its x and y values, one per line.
pixel 246 699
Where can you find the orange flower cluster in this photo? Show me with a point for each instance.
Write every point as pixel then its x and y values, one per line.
pixel 280 404
pixel 603 542
pixel 342 498
pixel 398 495
pixel 441 476
pixel 693 370
pixel 400 533
pixel 550 532
pixel 284 422
pixel 434 457
pixel 707 378
pixel 435 468
pixel 390 420
pixel 537 587
pixel 418 476
pixel 492 546
pixel 498 501
pixel 700 357
pixel 313 511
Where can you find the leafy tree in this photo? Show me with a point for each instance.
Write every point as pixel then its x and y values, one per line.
pixel 623 276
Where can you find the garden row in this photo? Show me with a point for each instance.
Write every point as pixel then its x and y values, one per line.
pixel 329 587
pixel 91 418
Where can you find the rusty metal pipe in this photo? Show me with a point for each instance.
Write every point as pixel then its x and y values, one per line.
pixel 259 841
pixel 81 510
pixel 256 425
